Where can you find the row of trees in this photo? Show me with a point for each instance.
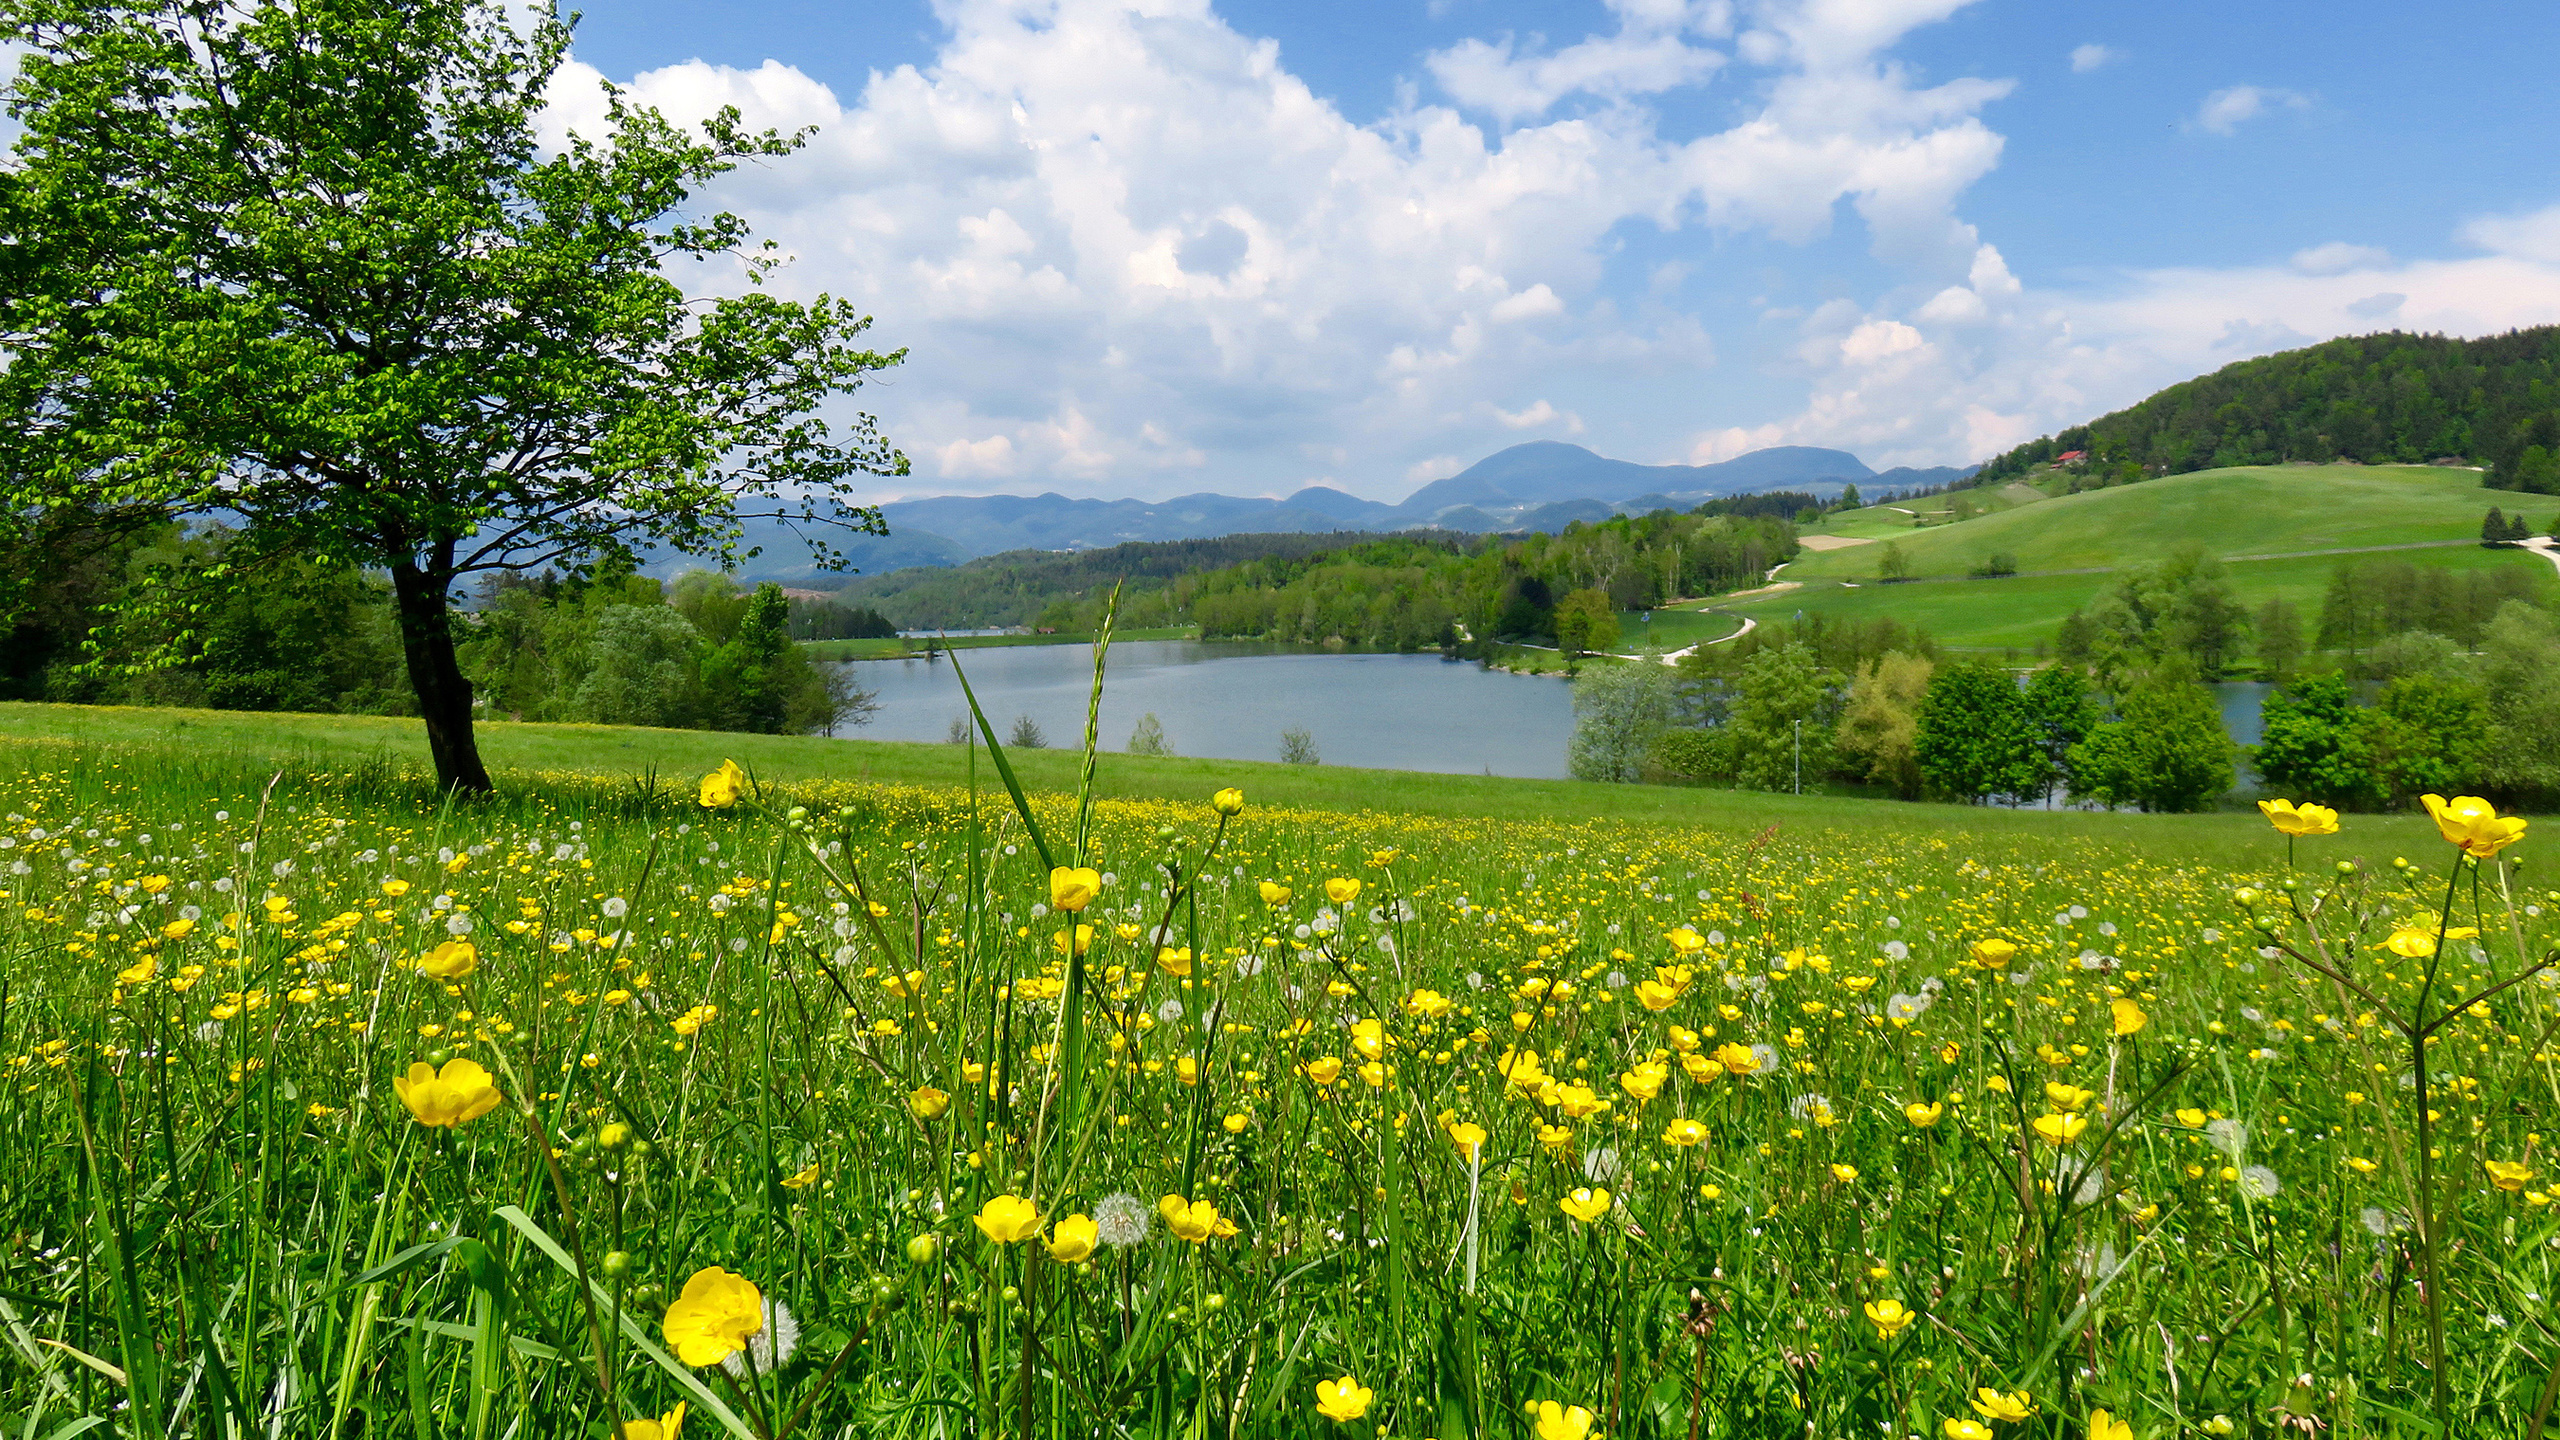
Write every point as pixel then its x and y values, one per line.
pixel 2386 398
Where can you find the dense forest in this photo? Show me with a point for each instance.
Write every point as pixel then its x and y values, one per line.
pixel 2380 399
pixel 1014 588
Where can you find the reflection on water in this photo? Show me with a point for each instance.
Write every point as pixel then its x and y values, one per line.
pixel 1232 700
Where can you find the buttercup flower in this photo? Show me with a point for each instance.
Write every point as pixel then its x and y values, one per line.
pixel 1342 1399
pixel 2474 824
pixel 1229 801
pixel 1890 1317
pixel 1075 940
pixel 1558 1422
pixel 449 961
pixel 2060 1128
pixel 2292 819
pixel 2129 1018
pixel 2012 1407
pixel 666 1427
pixel 2508 1175
pixel 462 1091
pixel 1993 954
pixel 1194 1221
pixel 1922 1115
pixel 1074 1239
pixel 927 1103
pixel 1006 1219
pixel 1965 1430
pixel 721 788
pixel 714 1318
pixel 1585 1205
pixel 1274 894
pixel 1683 1133
pixel 1073 887
pixel 1341 891
pixel 1468 1138
pixel 2103 1426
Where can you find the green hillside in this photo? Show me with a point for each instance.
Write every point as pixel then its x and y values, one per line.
pixel 2304 521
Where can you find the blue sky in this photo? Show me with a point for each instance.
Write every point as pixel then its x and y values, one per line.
pixel 1145 247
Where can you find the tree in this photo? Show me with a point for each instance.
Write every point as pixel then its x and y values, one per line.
pixel 1880 726
pixel 2279 640
pixel 2520 666
pixel 1619 712
pixel 2309 745
pixel 2424 735
pixel 1298 747
pixel 2493 528
pixel 1148 738
pixel 1027 734
pixel 1780 719
pixel 1972 738
pixel 835 699
pixel 1586 621
pixel 2060 712
pixel 641 668
pixel 309 266
pixel 1892 564
pixel 2165 750
pixel 1849 498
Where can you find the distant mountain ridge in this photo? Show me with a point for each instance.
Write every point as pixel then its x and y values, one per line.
pixel 1543 485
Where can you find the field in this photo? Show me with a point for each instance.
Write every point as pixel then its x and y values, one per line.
pixel 1783 1118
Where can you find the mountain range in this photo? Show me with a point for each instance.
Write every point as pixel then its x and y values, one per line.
pixel 1543 485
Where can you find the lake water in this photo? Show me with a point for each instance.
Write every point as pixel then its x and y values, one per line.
pixel 1231 700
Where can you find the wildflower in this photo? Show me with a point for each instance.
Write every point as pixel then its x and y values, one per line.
pixel 1655 996
pixel 1557 1422
pixel 1343 1399
pixel 1585 1205
pixel 2061 1127
pixel 2129 1018
pixel 178 929
pixel 1369 1038
pixel 2103 1426
pixel 770 1348
pixel 2228 1136
pixel 1645 1081
pixel 2474 824
pixel 1274 895
pixel 461 1091
pixel 1073 887
pixel 1683 1133
pixel 2068 1096
pixel 1993 954
pixel 1923 1115
pixel 1229 801
pixel 927 1103
pixel 2306 819
pixel 1965 1430
pixel 1685 940
pixel 1172 961
pixel 1238 1123
pixel 1738 1059
pixel 1121 1220
pixel 449 961
pixel 1195 1220
pixel 1075 941
pixel 1844 1173
pixel 2010 1408
pixel 140 971
pixel 1469 1138
pixel 2260 1182
pixel 1890 1318
pixel 714 1318
pixel 803 1178
pixel 1006 1219
pixel 1073 1240
pixel 2508 1175
pixel 1429 1004
pixel 1323 1070
pixel 721 788
pixel 1341 890
pixel 666 1427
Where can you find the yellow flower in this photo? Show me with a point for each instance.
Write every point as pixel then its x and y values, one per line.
pixel 2474 824
pixel 1075 941
pixel 1324 1069
pixel 1965 1430
pixel 1343 1399
pixel 2061 1128
pixel 1844 1173
pixel 1585 1205
pixel 926 1103
pixel 1074 1239
pixel 1683 1133
pixel 1429 1004
pixel 1645 1081
pixel 2067 1096
pixel 1469 1138
pixel 2292 819
pixel 178 929
pixel 721 788
pixel 1229 801
pixel 1889 1317
pixel 2508 1175
pixel 1341 891
pixel 803 1179
pixel 2103 1426
pixel 140 971
pixel 395 888
pixel 666 1427
pixel 1737 1058
pixel 714 1318
pixel 450 961
pixel 1993 954
pixel 1073 887
pixel 1922 1115
pixel 1237 1123
pixel 1194 1221
pixel 2193 1119
pixel 1655 996
pixel 1172 961
pixel 1274 894
pixel 2013 1407
pixel 461 1091
pixel 2129 1018
pixel 1557 1422
pixel 1685 940
pixel 1006 1219
pixel 1369 1038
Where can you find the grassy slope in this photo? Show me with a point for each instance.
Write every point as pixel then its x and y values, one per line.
pixel 233 740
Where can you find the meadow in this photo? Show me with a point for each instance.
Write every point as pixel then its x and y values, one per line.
pixel 772 1100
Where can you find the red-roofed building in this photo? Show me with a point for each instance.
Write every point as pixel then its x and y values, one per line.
pixel 2070 457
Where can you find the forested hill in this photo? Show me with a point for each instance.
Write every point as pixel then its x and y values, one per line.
pixel 2389 398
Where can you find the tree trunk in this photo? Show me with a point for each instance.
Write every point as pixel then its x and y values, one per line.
pixel 444 696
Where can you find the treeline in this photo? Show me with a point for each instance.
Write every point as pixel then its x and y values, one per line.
pixel 1019 586
pixel 2391 398
pixel 289 635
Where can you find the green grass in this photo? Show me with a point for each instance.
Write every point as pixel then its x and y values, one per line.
pixel 899 648
pixel 2252 511
pixel 1671 629
pixel 2025 611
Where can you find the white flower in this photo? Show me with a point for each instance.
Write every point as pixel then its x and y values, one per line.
pixel 2260 1182
pixel 457 924
pixel 1811 1106
pixel 616 908
pixel 1767 1056
pixel 1908 1007
pixel 1121 1220
pixel 2228 1136
pixel 770 1348
pixel 1169 1011
pixel 1896 950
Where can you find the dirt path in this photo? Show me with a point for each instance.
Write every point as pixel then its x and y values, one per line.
pixel 2544 546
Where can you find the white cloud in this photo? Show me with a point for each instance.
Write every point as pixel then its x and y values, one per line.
pixel 2338 257
pixel 2224 111
pixel 1650 54
pixel 2526 237
pixel 2085 58
pixel 1534 416
pixel 1535 303
pixel 1437 467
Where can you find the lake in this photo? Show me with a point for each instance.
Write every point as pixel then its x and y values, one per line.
pixel 1231 700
